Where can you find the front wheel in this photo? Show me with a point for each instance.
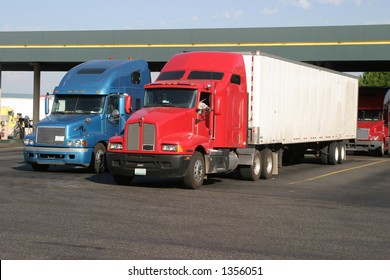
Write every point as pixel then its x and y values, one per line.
pixel 380 152
pixel 196 171
pixel 252 172
pixel 98 161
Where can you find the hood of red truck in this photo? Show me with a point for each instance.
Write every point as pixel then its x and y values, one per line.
pixel 369 129
pixel 172 125
pixel 372 125
pixel 161 115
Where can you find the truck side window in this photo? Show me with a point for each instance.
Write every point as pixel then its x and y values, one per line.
pixel 205 98
pixel 235 79
pixel 136 77
pixel 112 104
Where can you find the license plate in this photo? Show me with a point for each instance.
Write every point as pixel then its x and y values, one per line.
pixel 140 171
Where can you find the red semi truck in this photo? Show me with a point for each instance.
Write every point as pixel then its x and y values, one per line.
pixel 216 112
pixel 373 121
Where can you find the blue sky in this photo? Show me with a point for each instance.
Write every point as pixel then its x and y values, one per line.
pixel 47 15
pixel 42 15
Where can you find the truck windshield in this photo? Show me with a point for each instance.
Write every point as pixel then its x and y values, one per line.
pixel 370 115
pixel 78 104
pixel 181 98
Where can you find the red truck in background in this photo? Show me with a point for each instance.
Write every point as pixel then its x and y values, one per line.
pixel 216 112
pixel 373 121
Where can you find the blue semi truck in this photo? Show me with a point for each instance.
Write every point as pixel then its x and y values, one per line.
pixel 91 104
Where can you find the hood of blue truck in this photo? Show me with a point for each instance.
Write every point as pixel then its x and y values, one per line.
pixel 66 119
pixel 75 126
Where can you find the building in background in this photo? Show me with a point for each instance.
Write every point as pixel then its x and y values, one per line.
pixel 22 103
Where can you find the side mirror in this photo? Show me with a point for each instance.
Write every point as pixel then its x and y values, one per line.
pixel 128 102
pixel 47 105
pixel 218 106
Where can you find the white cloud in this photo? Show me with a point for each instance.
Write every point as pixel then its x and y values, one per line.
pixel 238 13
pixel 9 27
pixel 333 2
pixel 269 11
pixel 307 4
pixel 235 14
pixel 304 4
pixel 162 22
pixel 358 2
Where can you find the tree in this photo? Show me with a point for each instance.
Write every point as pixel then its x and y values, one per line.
pixel 375 79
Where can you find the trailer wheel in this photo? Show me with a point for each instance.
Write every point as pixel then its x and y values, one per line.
pixel 122 180
pixel 343 152
pixel 98 161
pixel 334 153
pixel 252 172
pixel 40 167
pixel 267 164
pixel 195 173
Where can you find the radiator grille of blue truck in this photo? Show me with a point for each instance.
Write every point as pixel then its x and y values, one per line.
pixel 50 135
pixel 148 137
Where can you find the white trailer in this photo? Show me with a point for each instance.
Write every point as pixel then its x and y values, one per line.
pixel 298 108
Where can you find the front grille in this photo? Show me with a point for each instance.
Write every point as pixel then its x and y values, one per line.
pixel 50 135
pixel 133 136
pixel 362 133
pixel 148 137
pixel 146 141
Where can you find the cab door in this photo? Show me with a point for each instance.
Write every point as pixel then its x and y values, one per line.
pixel 112 118
pixel 204 115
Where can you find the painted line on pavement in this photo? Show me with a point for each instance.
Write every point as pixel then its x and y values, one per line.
pixel 337 172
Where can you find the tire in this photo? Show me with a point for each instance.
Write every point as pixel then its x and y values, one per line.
pixel 40 167
pixel 252 172
pixel 334 153
pixel 98 161
pixel 122 180
pixel 196 171
pixel 342 153
pixel 267 164
pixel 380 152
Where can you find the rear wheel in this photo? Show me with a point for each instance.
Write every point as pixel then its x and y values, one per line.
pixel 252 172
pixel 195 173
pixel 267 164
pixel 343 152
pixel 334 153
pixel 98 161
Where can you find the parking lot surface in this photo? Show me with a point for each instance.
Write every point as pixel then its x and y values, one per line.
pixel 308 211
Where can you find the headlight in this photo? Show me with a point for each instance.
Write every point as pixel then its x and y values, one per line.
pixel 28 142
pixel 115 146
pixel 77 143
pixel 171 148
